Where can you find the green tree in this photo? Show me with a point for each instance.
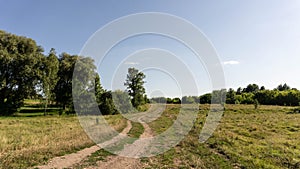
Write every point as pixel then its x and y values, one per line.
pixel 135 88
pixel 239 91
pixel 49 76
pixel 251 88
pixel 205 99
pixel 158 100
pixel 107 106
pixel 20 59
pixel 122 102
pixel 176 100
pixel 63 88
pixel 189 99
pixel 85 75
pixel 169 100
pixel 218 96
pixel 230 96
pixel 283 87
pixel 98 89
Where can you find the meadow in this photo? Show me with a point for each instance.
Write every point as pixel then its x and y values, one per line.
pixel 29 138
pixel 267 137
pixel 246 138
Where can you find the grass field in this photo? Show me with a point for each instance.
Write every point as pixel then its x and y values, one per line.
pixel 28 141
pixel 246 138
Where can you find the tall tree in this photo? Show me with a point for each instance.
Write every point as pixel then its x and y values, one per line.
pixel 85 76
pixel 63 88
pixel 135 88
pixel 19 70
pixel 230 96
pixel 98 89
pixel 49 76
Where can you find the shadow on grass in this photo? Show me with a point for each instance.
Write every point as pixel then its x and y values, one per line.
pixel 34 112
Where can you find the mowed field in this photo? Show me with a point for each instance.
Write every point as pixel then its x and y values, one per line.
pixel 246 138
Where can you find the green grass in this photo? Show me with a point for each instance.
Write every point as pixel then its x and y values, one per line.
pixel 134 133
pixel 143 108
pixel 246 138
pixel 92 160
pixel 136 130
pixel 29 141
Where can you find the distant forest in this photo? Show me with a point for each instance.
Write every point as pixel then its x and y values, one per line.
pixel 27 73
pixel 283 95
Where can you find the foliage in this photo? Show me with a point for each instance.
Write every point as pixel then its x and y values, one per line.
pixel 122 101
pixel 176 100
pixel 63 89
pixel 190 99
pixel 19 72
pixel 283 87
pixel 282 95
pixel 135 88
pixel 205 99
pixel 230 96
pixel 158 100
pixel 107 106
pixel 49 76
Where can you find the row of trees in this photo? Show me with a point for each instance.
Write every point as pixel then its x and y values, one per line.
pixel 26 72
pixel 282 95
pixel 252 94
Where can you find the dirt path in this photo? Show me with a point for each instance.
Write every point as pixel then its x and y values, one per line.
pixel 132 150
pixel 74 158
pixel 121 161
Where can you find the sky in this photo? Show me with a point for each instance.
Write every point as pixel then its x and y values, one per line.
pixel 256 41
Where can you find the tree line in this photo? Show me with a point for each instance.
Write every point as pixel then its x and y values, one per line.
pixel 282 95
pixel 27 73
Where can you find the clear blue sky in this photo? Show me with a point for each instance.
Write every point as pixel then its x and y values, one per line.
pixel 257 41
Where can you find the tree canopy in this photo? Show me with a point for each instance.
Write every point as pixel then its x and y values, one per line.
pixel 134 83
pixel 20 60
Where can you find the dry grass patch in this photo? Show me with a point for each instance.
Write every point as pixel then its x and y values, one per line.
pixel 28 141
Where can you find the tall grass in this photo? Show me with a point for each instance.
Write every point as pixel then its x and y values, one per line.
pixel 28 141
pixel 267 137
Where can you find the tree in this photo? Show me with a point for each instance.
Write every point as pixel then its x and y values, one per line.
pixel 85 79
pixel 189 99
pixel 176 100
pixel 239 91
pixel 49 76
pixel 230 96
pixel 205 99
pixel 135 88
pixel 251 88
pixel 169 100
pixel 248 98
pixel 98 89
pixel 63 88
pixel 107 106
pixel 122 102
pixel 218 96
pixel 20 59
pixel 283 87
pixel 158 100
